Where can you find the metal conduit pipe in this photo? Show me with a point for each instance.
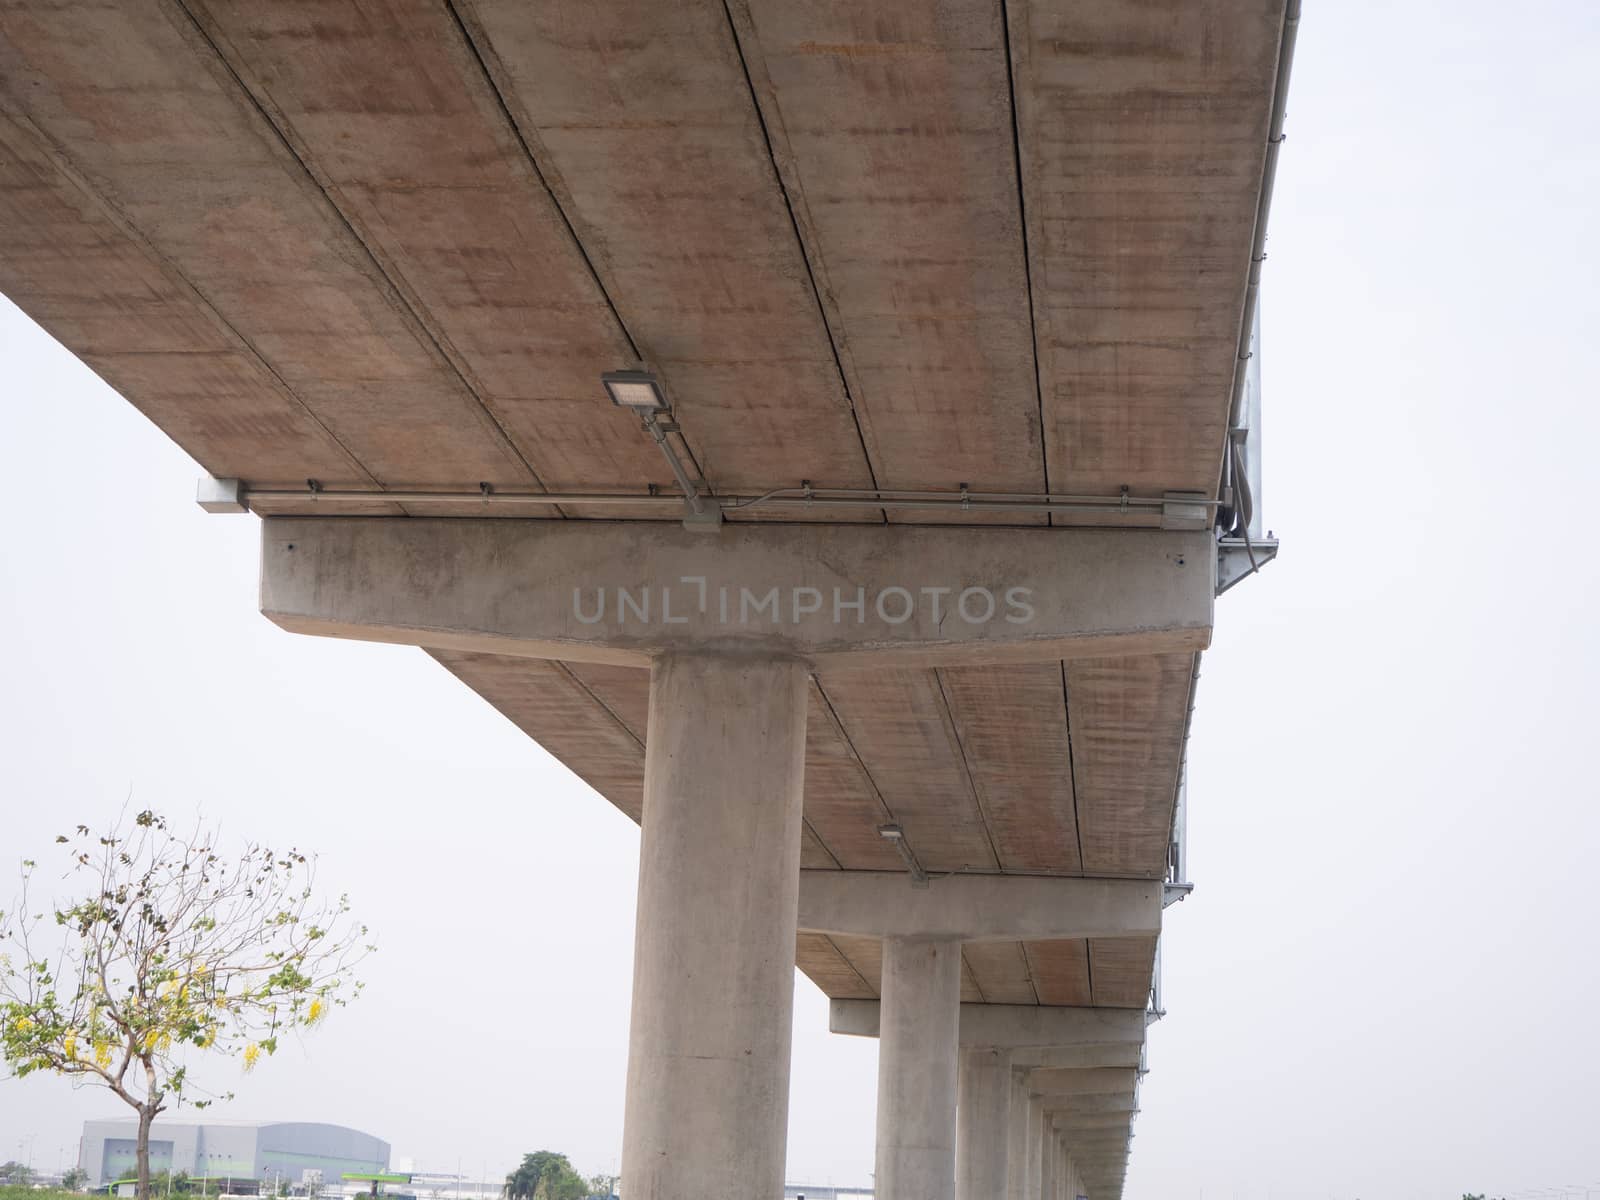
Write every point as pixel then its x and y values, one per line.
pixel 1269 174
pixel 874 495
pixel 1243 507
pixel 658 431
pixel 1020 502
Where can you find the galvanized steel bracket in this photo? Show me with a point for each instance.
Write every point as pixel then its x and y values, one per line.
pixel 1236 558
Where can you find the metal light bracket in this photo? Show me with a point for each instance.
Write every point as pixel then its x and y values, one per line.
pixel 641 392
pixel 893 833
pixel 707 520
pixel 1238 557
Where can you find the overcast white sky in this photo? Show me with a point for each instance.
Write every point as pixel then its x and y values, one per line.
pixel 1384 985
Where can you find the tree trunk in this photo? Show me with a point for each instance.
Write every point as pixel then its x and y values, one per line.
pixel 147 1114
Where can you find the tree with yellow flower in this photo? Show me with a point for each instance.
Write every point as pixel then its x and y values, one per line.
pixel 166 948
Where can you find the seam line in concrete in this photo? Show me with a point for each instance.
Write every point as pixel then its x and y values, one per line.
pixel 1027 964
pixel 470 35
pixel 533 163
pixel 954 727
pixel 65 168
pixel 598 702
pixel 855 755
pixel 826 849
pixel 1072 769
pixel 854 970
pixel 1088 967
pixel 966 966
pixel 387 272
pixel 1027 254
pixel 800 243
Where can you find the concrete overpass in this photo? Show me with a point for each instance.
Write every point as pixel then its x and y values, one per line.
pixel 879 596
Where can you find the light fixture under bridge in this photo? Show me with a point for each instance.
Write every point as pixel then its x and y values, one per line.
pixel 641 392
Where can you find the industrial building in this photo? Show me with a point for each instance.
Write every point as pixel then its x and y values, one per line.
pixel 263 1151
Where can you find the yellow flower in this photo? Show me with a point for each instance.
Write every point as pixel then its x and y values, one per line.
pixel 209 1036
pixel 316 1012
pixel 69 1045
pixel 102 1053
pixel 251 1053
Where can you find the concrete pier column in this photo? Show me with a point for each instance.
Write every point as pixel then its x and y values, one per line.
pixel 1038 1131
pixel 917 1070
pixel 1047 1162
pixel 983 1124
pixel 1017 1139
pixel 1063 1169
pixel 713 962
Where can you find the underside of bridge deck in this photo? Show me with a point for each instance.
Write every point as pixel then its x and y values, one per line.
pixel 924 251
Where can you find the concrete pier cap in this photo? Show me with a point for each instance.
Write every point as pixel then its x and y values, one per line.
pixel 1109 1054
pixel 1097 1154
pixel 1011 1026
pixel 1065 1082
pixel 1090 1121
pixel 833 596
pixel 1083 1143
pixel 1107 1104
pixel 977 908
